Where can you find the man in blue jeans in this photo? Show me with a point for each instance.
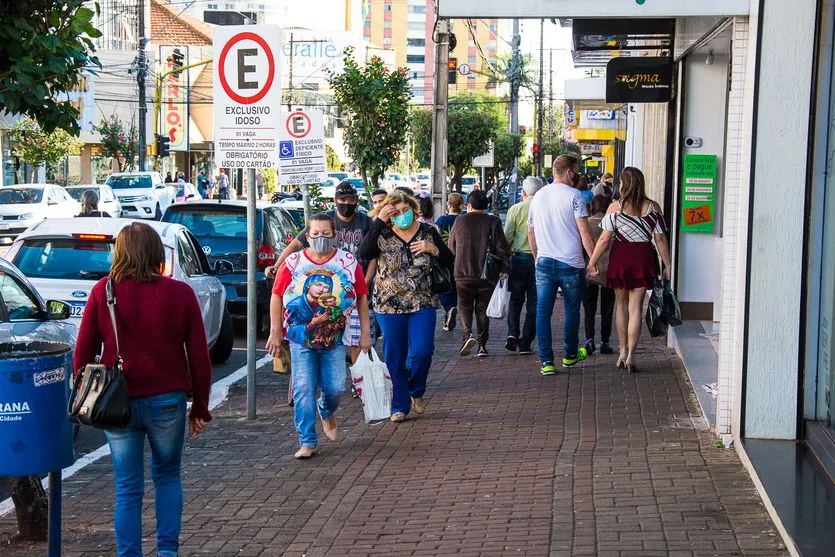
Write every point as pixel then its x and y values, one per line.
pixel 558 230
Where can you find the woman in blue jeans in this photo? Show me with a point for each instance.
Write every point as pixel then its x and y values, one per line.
pixel 165 358
pixel 403 300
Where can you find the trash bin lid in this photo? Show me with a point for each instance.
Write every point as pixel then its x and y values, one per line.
pixel 32 349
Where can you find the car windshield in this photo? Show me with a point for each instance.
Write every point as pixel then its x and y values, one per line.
pixel 129 182
pixel 76 193
pixel 356 182
pixel 65 258
pixel 468 181
pixel 210 223
pixel 20 196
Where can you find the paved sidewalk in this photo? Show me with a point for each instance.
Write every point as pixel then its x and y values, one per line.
pixel 504 462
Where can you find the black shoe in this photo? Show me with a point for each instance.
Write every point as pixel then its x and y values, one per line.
pixel 451 317
pixel 511 344
pixel 525 351
pixel 605 348
pixel 467 346
pixel 590 346
pixel 482 352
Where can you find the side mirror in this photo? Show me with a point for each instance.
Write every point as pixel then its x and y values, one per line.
pixel 57 310
pixel 223 267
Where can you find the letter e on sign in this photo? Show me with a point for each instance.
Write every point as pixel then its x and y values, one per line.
pixel 298 124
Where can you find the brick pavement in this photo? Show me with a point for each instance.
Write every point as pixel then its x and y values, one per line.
pixel 504 462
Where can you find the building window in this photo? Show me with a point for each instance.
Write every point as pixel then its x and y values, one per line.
pixel 387 7
pixel 415 59
pixel 415 42
pixel 387 24
pixel 417 9
pixel 367 23
pixel 471 61
pixel 416 26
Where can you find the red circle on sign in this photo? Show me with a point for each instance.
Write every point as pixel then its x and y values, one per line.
pixel 222 72
pixel 287 124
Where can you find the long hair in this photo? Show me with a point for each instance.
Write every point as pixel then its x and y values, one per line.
pixel 89 202
pixel 397 196
pixel 632 188
pixel 139 254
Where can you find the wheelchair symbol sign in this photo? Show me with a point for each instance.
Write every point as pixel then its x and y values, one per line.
pixel 286 150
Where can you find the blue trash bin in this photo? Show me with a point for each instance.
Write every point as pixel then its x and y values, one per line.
pixel 35 434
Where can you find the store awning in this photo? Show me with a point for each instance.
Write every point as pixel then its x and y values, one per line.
pixel 596 41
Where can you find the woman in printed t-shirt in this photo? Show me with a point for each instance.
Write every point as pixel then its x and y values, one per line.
pixel 315 292
pixel 633 222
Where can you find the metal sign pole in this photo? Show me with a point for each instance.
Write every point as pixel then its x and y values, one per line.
pixel 54 520
pixel 251 303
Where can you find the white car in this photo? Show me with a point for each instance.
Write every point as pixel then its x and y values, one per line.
pixel 64 258
pixel 424 181
pixel 187 192
pixel 327 189
pixel 108 202
pixel 142 194
pixel 23 205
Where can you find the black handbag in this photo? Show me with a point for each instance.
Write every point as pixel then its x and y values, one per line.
pixel 656 317
pixel 100 394
pixel 441 277
pixel 490 271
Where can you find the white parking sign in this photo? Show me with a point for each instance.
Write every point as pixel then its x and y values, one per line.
pixel 301 149
pixel 247 96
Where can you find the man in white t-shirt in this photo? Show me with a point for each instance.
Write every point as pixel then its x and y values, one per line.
pixel 558 230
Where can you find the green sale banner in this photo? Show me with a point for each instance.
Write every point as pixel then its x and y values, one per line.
pixel 698 201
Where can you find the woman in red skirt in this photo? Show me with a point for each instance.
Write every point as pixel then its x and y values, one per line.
pixel 633 222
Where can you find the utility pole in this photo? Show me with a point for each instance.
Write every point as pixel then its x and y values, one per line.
pixel 142 64
pixel 550 94
pixel 290 82
pixel 541 101
pixel 515 79
pixel 440 101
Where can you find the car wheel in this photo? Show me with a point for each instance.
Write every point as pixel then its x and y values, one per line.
pixel 222 349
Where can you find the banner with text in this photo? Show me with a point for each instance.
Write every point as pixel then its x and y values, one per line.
pixel 301 150
pixel 698 201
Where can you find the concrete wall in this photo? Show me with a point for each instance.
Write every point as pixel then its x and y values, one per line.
pixel 704 117
pixel 786 57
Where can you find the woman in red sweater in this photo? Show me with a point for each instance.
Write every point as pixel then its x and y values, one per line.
pixel 165 358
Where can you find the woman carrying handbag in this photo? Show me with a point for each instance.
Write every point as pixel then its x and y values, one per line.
pixel 162 345
pixel 633 222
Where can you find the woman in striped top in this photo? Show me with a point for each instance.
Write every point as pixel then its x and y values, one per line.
pixel 633 222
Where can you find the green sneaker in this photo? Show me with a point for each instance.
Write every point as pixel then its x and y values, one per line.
pixel 581 355
pixel 548 368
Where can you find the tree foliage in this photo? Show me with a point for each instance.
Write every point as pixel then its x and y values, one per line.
pixel 332 159
pixel 37 147
pixel 118 142
pixel 375 109
pixel 472 121
pixel 44 47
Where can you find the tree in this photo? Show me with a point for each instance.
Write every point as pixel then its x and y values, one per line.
pixel 506 147
pixel 557 148
pixel 119 143
pixel 375 108
pixel 44 47
pixel 37 147
pixel 472 121
pixel 332 159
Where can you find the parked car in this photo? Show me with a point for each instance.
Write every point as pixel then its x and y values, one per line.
pixel 327 189
pixel 24 205
pixel 108 202
pixel 65 257
pixel 338 175
pixel 221 230
pixel 424 181
pixel 468 183
pixel 24 315
pixel 187 192
pixel 142 194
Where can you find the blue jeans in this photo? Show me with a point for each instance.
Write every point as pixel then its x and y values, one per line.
pixel 312 370
pixel 408 340
pixel 162 418
pixel 550 275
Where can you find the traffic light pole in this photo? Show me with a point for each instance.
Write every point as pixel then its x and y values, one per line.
pixel 515 78
pixel 140 81
pixel 439 117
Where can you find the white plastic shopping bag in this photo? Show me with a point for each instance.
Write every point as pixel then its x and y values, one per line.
pixel 371 379
pixel 499 301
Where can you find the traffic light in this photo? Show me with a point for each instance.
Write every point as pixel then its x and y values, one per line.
pixel 536 153
pixel 452 66
pixel 523 130
pixel 163 147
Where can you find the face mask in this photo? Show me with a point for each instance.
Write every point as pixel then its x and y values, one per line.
pixel 405 220
pixel 321 244
pixel 346 210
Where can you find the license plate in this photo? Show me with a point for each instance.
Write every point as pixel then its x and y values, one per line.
pixel 77 308
pixel 4 226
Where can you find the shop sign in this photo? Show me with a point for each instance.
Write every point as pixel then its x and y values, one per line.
pixel 175 99
pixel 698 200
pixel 590 149
pixel 570 118
pixel 600 114
pixel 639 80
pixel 486 160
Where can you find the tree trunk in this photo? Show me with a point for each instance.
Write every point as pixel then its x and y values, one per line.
pixel 364 174
pixel 31 506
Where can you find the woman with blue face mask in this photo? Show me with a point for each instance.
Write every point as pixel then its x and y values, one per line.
pixel 403 300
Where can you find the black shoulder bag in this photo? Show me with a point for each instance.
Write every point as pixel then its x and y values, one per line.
pixel 100 394
pixel 490 271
